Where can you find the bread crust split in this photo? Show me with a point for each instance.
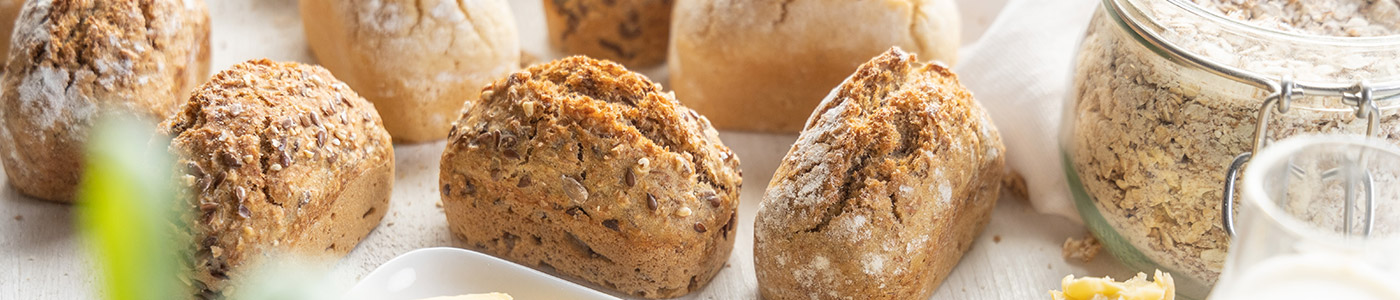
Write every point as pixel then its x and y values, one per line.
pixel 894 175
pixel 277 159
pixel 584 167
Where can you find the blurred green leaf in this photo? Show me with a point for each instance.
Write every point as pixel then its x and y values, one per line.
pixel 128 209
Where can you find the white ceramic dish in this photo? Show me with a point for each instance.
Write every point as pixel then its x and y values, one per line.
pixel 433 272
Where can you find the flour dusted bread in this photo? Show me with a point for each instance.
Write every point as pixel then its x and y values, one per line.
pixel 632 32
pixel 71 59
pixel 278 158
pixel 896 172
pixel 417 60
pixel 583 166
pixel 763 65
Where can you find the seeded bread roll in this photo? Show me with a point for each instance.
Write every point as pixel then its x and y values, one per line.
pixel 894 175
pixel 279 158
pixel 763 65
pixel 71 59
pixel 632 32
pixel 417 60
pixel 591 169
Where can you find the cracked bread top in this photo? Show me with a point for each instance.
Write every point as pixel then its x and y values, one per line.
pixel 266 147
pixel 885 166
pixel 892 125
pixel 601 141
pixel 71 58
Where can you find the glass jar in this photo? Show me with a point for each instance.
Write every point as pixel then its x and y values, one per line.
pixel 1294 241
pixel 1167 93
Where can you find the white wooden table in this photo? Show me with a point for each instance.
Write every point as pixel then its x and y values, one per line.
pixel 41 255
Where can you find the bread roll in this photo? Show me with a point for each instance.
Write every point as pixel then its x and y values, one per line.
pixel 762 65
pixel 632 32
pixel 588 168
pixel 419 61
pixel 278 158
pixel 896 172
pixel 72 59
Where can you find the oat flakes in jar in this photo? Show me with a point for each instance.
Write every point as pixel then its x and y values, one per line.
pixel 1167 94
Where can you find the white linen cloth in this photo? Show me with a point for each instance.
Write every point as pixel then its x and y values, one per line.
pixel 1020 71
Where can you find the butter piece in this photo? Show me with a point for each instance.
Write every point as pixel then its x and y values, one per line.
pixel 1137 288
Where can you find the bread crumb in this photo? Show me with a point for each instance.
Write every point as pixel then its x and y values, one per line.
pixel 19 217
pixel 1015 184
pixel 996 238
pixel 1084 249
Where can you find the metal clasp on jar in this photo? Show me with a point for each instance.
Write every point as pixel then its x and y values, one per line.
pixel 1361 97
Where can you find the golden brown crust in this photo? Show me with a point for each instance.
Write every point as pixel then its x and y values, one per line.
pixel 631 32
pixel 591 169
pixel 279 157
pixel 74 58
pixel 894 175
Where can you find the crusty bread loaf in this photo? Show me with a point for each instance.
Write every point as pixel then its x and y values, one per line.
pixel 279 158
pixel 591 169
pixel 417 60
pixel 763 65
pixel 894 175
pixel 632 32
pixel 72 59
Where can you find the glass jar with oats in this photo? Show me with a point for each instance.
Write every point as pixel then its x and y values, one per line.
pixel 1168 95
